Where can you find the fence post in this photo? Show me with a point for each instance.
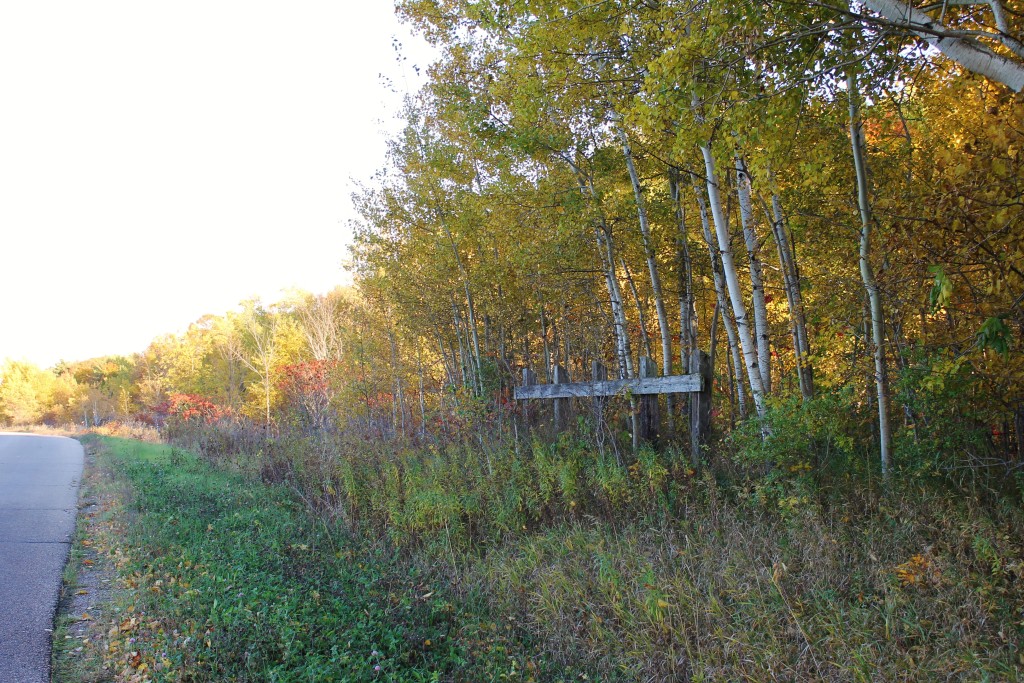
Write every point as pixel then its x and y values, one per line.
pixel 598 373
pixel 560 376
pixel 700 404
pixel 648 404
pixel 529 379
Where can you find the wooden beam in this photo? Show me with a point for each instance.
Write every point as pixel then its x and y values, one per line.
pixel 673 384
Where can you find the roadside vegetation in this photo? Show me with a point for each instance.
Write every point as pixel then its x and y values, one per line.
pixel 805 199
pixel 222 578
pixel 227 575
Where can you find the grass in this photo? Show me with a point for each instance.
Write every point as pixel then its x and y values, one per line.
pixel 732 593
pixel 231 580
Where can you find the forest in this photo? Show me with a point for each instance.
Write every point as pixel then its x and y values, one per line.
pixel 825 199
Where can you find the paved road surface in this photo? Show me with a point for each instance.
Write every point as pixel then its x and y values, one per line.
pixel 39 478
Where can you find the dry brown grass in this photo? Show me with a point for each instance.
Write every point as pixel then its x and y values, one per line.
pixel 730 593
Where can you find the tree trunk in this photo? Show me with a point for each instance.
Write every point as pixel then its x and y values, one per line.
pixel 641 316
pixel 794 299
pixel 602 231
pixel 604 245
pixel 970 54
pixel 722 304
pixel 652 264
pixel 464 361
pixel 473 333
pixel 478 385
pixel 733 283
pixel 423 404
pixel 764 361
pixel 687 309
pixel 867 275
pixel 545 346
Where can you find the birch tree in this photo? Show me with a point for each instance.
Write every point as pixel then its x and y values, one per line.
pixel 867 273
pixel 732 281
pixel 747 222
pixel 994 49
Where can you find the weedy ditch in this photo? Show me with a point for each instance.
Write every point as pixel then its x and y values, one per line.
pixel 227 578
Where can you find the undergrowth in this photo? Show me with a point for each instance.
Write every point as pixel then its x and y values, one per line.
pixel 241 584
pixel 787 558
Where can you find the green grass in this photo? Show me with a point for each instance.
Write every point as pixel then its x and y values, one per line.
pixel 235 581
pixel 240 581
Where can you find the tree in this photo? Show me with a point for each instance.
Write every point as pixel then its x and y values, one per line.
pixel 992 47
pixel 259 350
pixel 25 392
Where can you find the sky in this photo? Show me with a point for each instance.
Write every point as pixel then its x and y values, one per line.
pixel 162 161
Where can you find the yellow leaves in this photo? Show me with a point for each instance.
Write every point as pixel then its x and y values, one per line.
pixel 996 134
pixel 919 570
pixel 791 503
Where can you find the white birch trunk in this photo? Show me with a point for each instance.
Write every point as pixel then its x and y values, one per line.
pixel 687 309
pixel 652 265
pixel 604 247
pixel 733 283
pixel 794 298
pixel 474 335
pixel 969 54
pixel 478 385
pixel 645 337
pixel 764 361
pixel 867 275
pixel 720 296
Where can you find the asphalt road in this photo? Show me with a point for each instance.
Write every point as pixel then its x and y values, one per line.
pixel 39 478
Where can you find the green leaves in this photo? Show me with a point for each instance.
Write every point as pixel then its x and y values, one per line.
pixel 995 334
pixel 942 290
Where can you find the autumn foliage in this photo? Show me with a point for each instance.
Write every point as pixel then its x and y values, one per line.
pixel 193 408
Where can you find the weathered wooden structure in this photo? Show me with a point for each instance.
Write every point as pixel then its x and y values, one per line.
pixel 647 387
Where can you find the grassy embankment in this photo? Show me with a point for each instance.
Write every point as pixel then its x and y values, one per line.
pixel 228 579
pixel 222 578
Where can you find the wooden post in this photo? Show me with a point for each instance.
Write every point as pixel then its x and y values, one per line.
pixel 529 380
pixel 561 412
pixel 648 405
pixel 598 373
pixel 700 405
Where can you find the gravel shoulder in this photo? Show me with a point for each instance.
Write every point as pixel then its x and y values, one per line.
pixel 87 645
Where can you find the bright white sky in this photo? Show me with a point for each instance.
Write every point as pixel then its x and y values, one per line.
pixel 163 160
